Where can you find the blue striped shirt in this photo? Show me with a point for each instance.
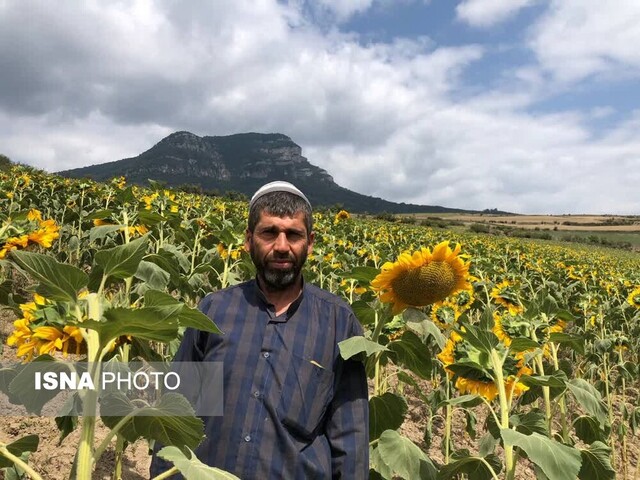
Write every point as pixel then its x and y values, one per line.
pixel 293 408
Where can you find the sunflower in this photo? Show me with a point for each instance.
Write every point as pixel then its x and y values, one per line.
pixel 464 299
pixel 480 384
pixel 341 215
pixel 445 313
pixel 422 278
pixel 505 295
pixel 634 298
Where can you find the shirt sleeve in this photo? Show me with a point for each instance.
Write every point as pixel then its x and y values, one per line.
pixel 347 426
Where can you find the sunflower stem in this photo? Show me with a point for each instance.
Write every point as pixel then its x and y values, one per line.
pixel 497 364
pixel 90 399
pixel 447 424
pixel 18 462
pixel 562 403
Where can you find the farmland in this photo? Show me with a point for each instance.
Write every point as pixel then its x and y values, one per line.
pixel 534 350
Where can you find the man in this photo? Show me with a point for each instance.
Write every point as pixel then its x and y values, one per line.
pixel 293 408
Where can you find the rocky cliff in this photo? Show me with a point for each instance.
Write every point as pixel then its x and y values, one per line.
pixel 240 163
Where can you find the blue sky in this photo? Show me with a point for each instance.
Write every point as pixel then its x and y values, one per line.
pixel 530 106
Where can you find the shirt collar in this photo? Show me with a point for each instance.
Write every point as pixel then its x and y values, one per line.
pixel 264 303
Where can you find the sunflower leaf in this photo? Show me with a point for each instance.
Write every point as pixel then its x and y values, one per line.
pixel 355 345
pixel 482 340
pixel 557 461
pixel 474 467
pixel 386 412
pixel 411 353
pixel 17 448
pixel 122 261
pixel 192 468
pixel 596 463
pixel 58 281
pixel 404 458
pixel 589 398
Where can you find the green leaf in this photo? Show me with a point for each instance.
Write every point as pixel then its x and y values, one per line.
pixel 411 353
pixel 377 465
pixel 425 329
pixel 574 341
pixel 473 467
pixel 366 313
pixel 588 429
pixel 165 263
pixel 67 420
pixel 522 344
pixel 192 468
pixel 590 399
pixel 153 276
pixel 23 384
pixel 557 461
pixel 556 380
pixel 363 275
pixel 531 422
pixel 122 261
pixel 17 448
pixel 150 218
pixel 171 421
pixel 386 412
pixel 187 317
pixel 58 281
pixel 404 458
pixel 596 463
pixel 148 323
pixel 99 214
pixel 101 231
pixel 468 401
pixel 482 340
pixel 355 345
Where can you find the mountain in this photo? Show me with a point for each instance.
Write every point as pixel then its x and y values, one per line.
pixel 240 163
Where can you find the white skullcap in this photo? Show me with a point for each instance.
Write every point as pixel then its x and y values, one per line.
pixel 277 186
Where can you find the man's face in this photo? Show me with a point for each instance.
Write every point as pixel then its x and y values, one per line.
pixel 279 247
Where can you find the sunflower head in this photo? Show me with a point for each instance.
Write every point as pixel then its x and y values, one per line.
pixel 422 278
pixel 634 298
pixel 506 295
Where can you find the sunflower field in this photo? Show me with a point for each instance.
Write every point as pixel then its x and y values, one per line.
pixel 508 358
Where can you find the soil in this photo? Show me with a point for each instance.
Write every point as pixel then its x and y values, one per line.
pixel 53 460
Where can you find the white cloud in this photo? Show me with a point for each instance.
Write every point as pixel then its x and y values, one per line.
pixel 579 38
pixel 487 13
pixel 99 82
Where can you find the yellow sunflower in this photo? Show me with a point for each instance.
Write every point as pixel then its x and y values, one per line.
pixel 504 294
pixel 634 298
pixel 341 215
pixel 445 313
pixel 422 278
pixel 484 386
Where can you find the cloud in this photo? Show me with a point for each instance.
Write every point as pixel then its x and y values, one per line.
pixel 579 38
pixel 487 13
pixel 96 82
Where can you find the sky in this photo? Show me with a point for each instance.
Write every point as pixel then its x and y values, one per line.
pixel 528 106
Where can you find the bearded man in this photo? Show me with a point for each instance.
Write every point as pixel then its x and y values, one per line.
pixel 293 407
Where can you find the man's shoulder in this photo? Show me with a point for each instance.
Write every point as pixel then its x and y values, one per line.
pixel 327 297
pixel 225 293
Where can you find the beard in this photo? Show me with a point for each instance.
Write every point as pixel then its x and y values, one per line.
pixel 278 278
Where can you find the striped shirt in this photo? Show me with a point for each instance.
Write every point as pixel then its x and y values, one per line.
pixel 293 408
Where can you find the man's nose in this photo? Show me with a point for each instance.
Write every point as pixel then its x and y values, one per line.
pixel 281 244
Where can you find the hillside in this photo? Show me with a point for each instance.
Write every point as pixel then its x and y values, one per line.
pixel 241 163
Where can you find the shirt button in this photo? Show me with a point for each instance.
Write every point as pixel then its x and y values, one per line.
pixel 266 354
pixel 256 394
pixel 247 438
